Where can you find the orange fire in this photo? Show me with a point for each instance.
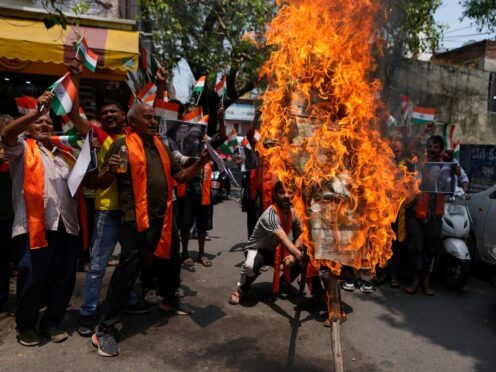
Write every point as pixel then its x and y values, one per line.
pixel 319 114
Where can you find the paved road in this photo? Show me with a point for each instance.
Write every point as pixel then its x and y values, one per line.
pixel 385 331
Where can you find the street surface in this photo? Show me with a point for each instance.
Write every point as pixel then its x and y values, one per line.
pixel 387 330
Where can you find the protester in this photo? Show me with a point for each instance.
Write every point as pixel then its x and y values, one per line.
pixel 423 225
pixel 6 220
pixel 250 203
pixel 45 225
pixel 270 245
pixel 196 204
pixel 462 179
pixel 145 195
pixel 107 212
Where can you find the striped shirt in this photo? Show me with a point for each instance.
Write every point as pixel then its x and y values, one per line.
pixel 59 204
pixel 263 236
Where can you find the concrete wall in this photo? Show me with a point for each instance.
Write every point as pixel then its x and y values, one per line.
pixel 459 94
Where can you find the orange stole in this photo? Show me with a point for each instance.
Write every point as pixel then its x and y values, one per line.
pixel 206 184
pixel 181 189
pixel 137 162
pixel 282 252
pixel 34 186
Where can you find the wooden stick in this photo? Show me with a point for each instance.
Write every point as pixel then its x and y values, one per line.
pixel 334 306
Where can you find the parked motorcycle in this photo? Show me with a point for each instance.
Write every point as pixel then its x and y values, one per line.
pixel 220 186
pixel 455 260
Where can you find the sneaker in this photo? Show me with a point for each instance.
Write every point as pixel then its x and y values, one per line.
pixel 87 324
pixel 140 307
pixel 28 338
pixel 152 297
pixel 105 342
pixel 367 287
pixel 348 285
pixel 55 334
pixel 177 306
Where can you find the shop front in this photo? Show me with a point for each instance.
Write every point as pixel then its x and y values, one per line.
pixel 32 58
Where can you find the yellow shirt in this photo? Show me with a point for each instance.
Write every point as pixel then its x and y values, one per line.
pixel 106 199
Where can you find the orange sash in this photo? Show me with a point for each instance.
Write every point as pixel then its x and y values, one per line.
pixel 34 186
pixel 206 184
pixel 137 162
pixel 281 252
pixel 181 190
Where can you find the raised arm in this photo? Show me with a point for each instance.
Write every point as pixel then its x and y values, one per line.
pixel 222 125
pixel 11 131
pixel 76 68
pixel 161 77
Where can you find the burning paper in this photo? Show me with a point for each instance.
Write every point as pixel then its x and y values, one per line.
pixel 319 113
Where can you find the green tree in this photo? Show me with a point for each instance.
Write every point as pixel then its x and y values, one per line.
pixel 408 27
pixel 216 37
pixel 483 12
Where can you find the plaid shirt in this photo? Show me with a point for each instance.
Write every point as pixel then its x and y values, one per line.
pixel 59 204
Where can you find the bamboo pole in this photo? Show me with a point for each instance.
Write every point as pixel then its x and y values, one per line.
pixel 334 305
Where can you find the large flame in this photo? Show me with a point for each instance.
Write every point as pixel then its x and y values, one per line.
pixel 319 115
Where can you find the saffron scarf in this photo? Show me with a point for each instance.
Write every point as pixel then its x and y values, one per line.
pixel 137 162
pixel 34 185
pixel 206 184
pixel 281 252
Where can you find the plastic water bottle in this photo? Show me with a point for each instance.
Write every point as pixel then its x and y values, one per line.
pixel 122 168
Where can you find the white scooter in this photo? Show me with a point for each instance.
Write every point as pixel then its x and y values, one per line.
pixel 455 260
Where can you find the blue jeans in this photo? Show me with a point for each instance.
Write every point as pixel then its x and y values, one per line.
pixel 105 237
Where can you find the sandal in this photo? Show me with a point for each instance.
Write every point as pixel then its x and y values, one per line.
pixel 411 290
pixel 428 291
pixel 235 298
pixel 205 261
pixel 188 261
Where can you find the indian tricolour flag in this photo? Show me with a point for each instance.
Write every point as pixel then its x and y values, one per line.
pixel 423 115
pixel 70 142
pixel 453 139
pixel 68 125
pixel 230 144
pixel 203 120
pixel 246 143
pixel 65 94
pixel 148 90
pixel 193 116
pixel 200 84
pixel 167 110
pixel 26 104
pixel 221 88
pixel 90 59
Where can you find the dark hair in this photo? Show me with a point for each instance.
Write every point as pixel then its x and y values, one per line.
pixel 110 103
pixel 436 140
pixel 278 186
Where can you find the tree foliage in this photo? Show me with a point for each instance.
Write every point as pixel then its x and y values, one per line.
pixel 483 12
pixel 212 36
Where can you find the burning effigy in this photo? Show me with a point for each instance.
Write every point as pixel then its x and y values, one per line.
pixel 318 114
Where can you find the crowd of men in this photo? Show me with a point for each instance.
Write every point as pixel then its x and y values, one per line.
pixel 147 196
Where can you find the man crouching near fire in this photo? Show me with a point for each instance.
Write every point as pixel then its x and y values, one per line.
pixel 270 244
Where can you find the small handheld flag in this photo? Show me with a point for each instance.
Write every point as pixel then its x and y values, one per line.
pixel 65 94
pixel 193 116
pixel 423 115
pixel 90 59
pixel 200 84
pixel 230 144
pixel 167 110
pixel 26 104
pixel 68 125
pixel 221 88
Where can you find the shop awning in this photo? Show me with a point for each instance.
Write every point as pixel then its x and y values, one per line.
pixel 29 41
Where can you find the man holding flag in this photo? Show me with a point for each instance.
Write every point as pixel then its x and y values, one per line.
pixel 107 212
pixel 45 226
pixel 145 195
